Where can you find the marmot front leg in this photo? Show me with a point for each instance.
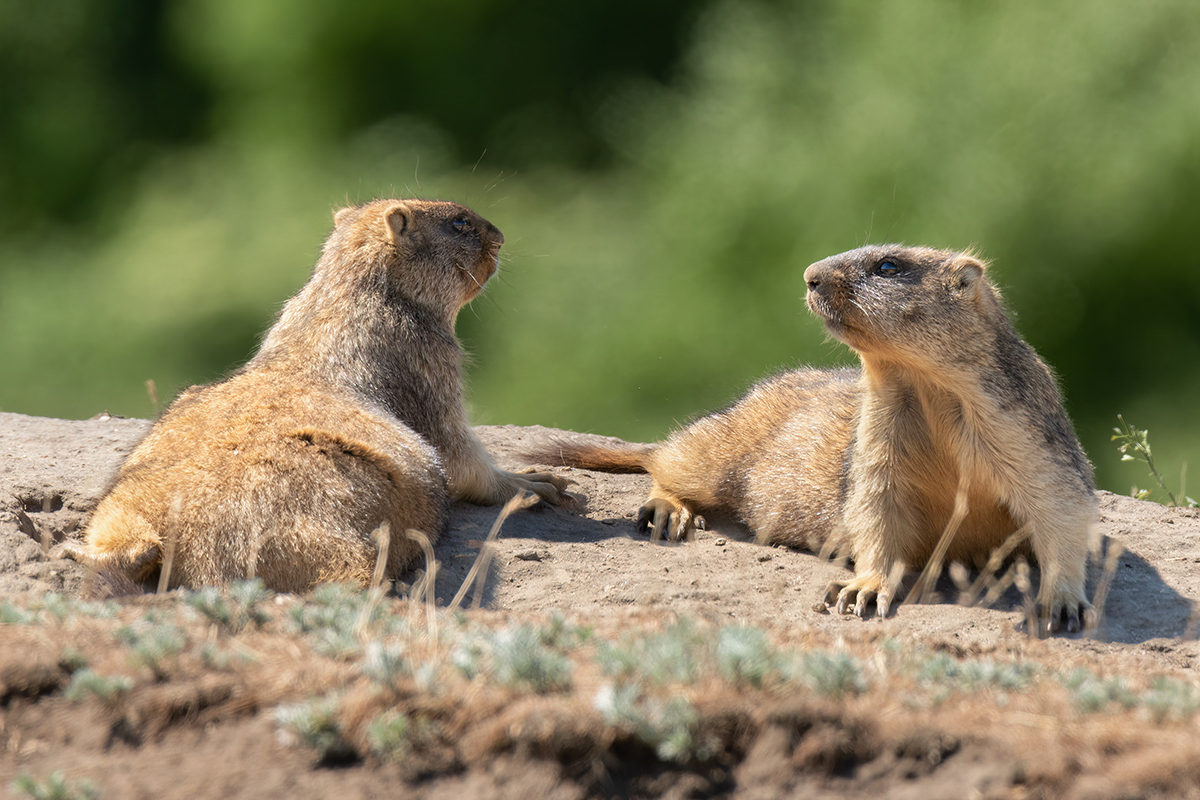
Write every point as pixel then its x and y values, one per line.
pixel 1060 547
pixel 876 535
pixel 546 485
pixel 473 477
pixel 865 588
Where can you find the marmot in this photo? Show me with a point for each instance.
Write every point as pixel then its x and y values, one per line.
pixel 350 414
pixel 952 425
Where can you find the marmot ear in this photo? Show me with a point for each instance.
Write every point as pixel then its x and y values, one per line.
pixel 399 221
pixel 965 274
pixel 340 216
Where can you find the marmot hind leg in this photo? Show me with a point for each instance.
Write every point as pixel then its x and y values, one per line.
pixel 136 563
pixel 665 516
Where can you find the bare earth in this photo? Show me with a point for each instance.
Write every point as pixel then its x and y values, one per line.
pixel 600 573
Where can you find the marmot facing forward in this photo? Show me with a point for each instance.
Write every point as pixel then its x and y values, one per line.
pixel 953 425
pixel 350 415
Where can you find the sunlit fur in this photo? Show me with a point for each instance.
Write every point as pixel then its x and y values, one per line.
pixel 349 415
pixel 870 461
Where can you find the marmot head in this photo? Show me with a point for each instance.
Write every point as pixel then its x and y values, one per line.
pixel 432 253
pixel 908 304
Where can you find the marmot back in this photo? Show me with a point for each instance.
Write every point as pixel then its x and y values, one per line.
pixel 349 415
pixel 951 439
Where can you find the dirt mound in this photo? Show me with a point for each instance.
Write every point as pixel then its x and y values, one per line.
pixel 669 670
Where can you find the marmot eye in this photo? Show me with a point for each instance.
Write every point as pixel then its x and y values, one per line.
pixel 461 225
pixel 888 269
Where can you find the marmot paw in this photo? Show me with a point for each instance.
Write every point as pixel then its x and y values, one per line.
pixel 860 592
pixel 662 518
pixel 1067 613
pixel 548 486
pixel 76 551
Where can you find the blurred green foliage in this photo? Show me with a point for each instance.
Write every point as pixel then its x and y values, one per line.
pixel 663 173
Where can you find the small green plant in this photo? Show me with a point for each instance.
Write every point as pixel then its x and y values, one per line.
pixel 1092 694
pixel 384 662
pixel 948 673
pixel 833 675
pixel 393 734
pixel 314 724
pixel 468 655
pixel 744 656
pixel 15 615
pixel 1134 444
pixel 209 602
pixel 426 676
pixel 520 659
pixel 152 644
pixel 671 728
pixel 333 619
pixel 57 606
pixel 62 608
pixel 54 787
pixel 213 656
pixel 1167 698
pixel 239 610
pixel 247 596
pixel 107 688
pixel 389 735
pixel 671 656
pixel 1010 676
pixel 72 660
pixel 562 634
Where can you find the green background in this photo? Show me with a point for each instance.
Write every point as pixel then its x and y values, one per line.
pixel 663 172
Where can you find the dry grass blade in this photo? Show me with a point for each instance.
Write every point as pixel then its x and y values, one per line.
pixel 961 578
pixel 47 536
pixel 998 586
pixel 479 568
pixel 168 556
pixel 152 391
pixel 427 583
pixel 923 589
pixel 25 523
pixel 1115 551
pixel 382 537
pixel 1021 577
pixel 1191 631
pixel 987 579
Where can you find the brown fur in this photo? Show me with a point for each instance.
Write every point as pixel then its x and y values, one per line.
pixel 951 409
pixel 349 415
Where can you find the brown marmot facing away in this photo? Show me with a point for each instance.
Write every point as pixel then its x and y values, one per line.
pixel 953 425
pixel 350 414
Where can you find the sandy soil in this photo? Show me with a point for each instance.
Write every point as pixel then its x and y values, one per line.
pixel 597 569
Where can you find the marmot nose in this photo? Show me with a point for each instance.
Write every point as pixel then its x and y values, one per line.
pixel 812 276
